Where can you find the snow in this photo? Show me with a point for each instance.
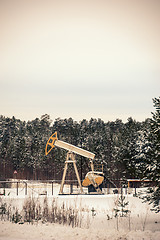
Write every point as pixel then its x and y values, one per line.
pixel 140 224
pixel 11 231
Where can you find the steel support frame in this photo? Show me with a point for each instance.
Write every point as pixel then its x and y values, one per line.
pixel 70 159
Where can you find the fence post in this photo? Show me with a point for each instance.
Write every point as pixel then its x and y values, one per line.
pixel 26 189
pixel 135 191
pixel 17 188
pixel 52 188
pixel 108 188
pixel 71 188
pixel 4 192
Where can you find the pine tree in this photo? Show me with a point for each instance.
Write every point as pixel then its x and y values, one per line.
pixel 152 164
pixel 127 152
pixel 121 205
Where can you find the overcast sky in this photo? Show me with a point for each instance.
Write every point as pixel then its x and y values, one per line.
pixel 79 59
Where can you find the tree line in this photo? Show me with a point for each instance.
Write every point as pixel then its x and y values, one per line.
pixel 126 150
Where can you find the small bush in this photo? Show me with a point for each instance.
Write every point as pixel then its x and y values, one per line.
pixel 121 205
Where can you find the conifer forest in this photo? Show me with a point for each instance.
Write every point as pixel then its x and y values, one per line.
pixel 126 150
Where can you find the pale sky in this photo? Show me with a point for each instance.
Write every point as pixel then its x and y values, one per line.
pixel 79 59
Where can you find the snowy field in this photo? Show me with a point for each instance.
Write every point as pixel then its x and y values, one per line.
pixel 97 214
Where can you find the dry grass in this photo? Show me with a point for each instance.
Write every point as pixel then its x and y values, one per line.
pixel 35 211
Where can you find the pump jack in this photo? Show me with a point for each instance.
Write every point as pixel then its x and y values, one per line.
pixel 92 177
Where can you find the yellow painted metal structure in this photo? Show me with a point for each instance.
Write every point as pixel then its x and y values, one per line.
pixel 94 178
pixel 50 143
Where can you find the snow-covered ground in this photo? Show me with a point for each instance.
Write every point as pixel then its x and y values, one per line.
pixel 98 221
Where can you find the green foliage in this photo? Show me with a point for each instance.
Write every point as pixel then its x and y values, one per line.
pixel 152 196
pixel 152 164
pixel 121 205
pixel 153 161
